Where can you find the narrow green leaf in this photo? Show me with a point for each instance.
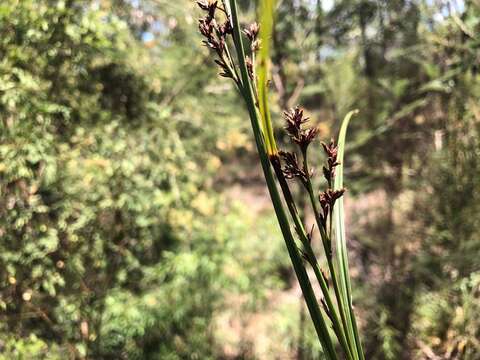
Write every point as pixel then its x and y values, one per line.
pixel 267 13
pixel 341 244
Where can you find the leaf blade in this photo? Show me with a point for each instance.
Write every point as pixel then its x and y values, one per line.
pixel 267 14
pixel 341 244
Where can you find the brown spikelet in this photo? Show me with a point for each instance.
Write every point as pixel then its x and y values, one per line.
pixel 295 120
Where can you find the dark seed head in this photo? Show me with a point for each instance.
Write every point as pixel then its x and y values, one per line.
pixel 252 31
pixel 331 150
pixel 295 120
pixel 209 6
pixel 292 168
pixel 206 27
pixel 225 28
pixel 203 4
pixel 327 201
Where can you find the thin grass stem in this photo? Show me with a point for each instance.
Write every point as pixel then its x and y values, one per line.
pixel 312 258
pixel 327 244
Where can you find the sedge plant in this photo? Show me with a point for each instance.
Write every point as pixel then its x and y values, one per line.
pixel 243 56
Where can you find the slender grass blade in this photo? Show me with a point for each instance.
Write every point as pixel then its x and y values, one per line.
pixel 267 13
pixel 341 244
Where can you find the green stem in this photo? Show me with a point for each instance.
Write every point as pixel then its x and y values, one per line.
pixel 311 256
pixel 302 276
pixel 356 334
pixel 254 81
pixel 231 67
pixel 327 244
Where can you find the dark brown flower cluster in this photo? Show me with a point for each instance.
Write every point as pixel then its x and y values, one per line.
pixel 299 135
pixel 329 197
pixel 252 34
pixel 327 201
pixel 329 171
pixel 292 168
pixel 215 34
pixel 302 137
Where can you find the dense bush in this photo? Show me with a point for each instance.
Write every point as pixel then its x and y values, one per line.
pixel 112 244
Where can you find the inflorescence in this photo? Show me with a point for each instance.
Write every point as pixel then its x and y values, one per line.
pixel 216 34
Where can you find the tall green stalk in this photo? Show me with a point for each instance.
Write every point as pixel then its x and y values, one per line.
pixel 302 276
pixel 242 69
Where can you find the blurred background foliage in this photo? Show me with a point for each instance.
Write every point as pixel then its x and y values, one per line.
pixel 134 223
